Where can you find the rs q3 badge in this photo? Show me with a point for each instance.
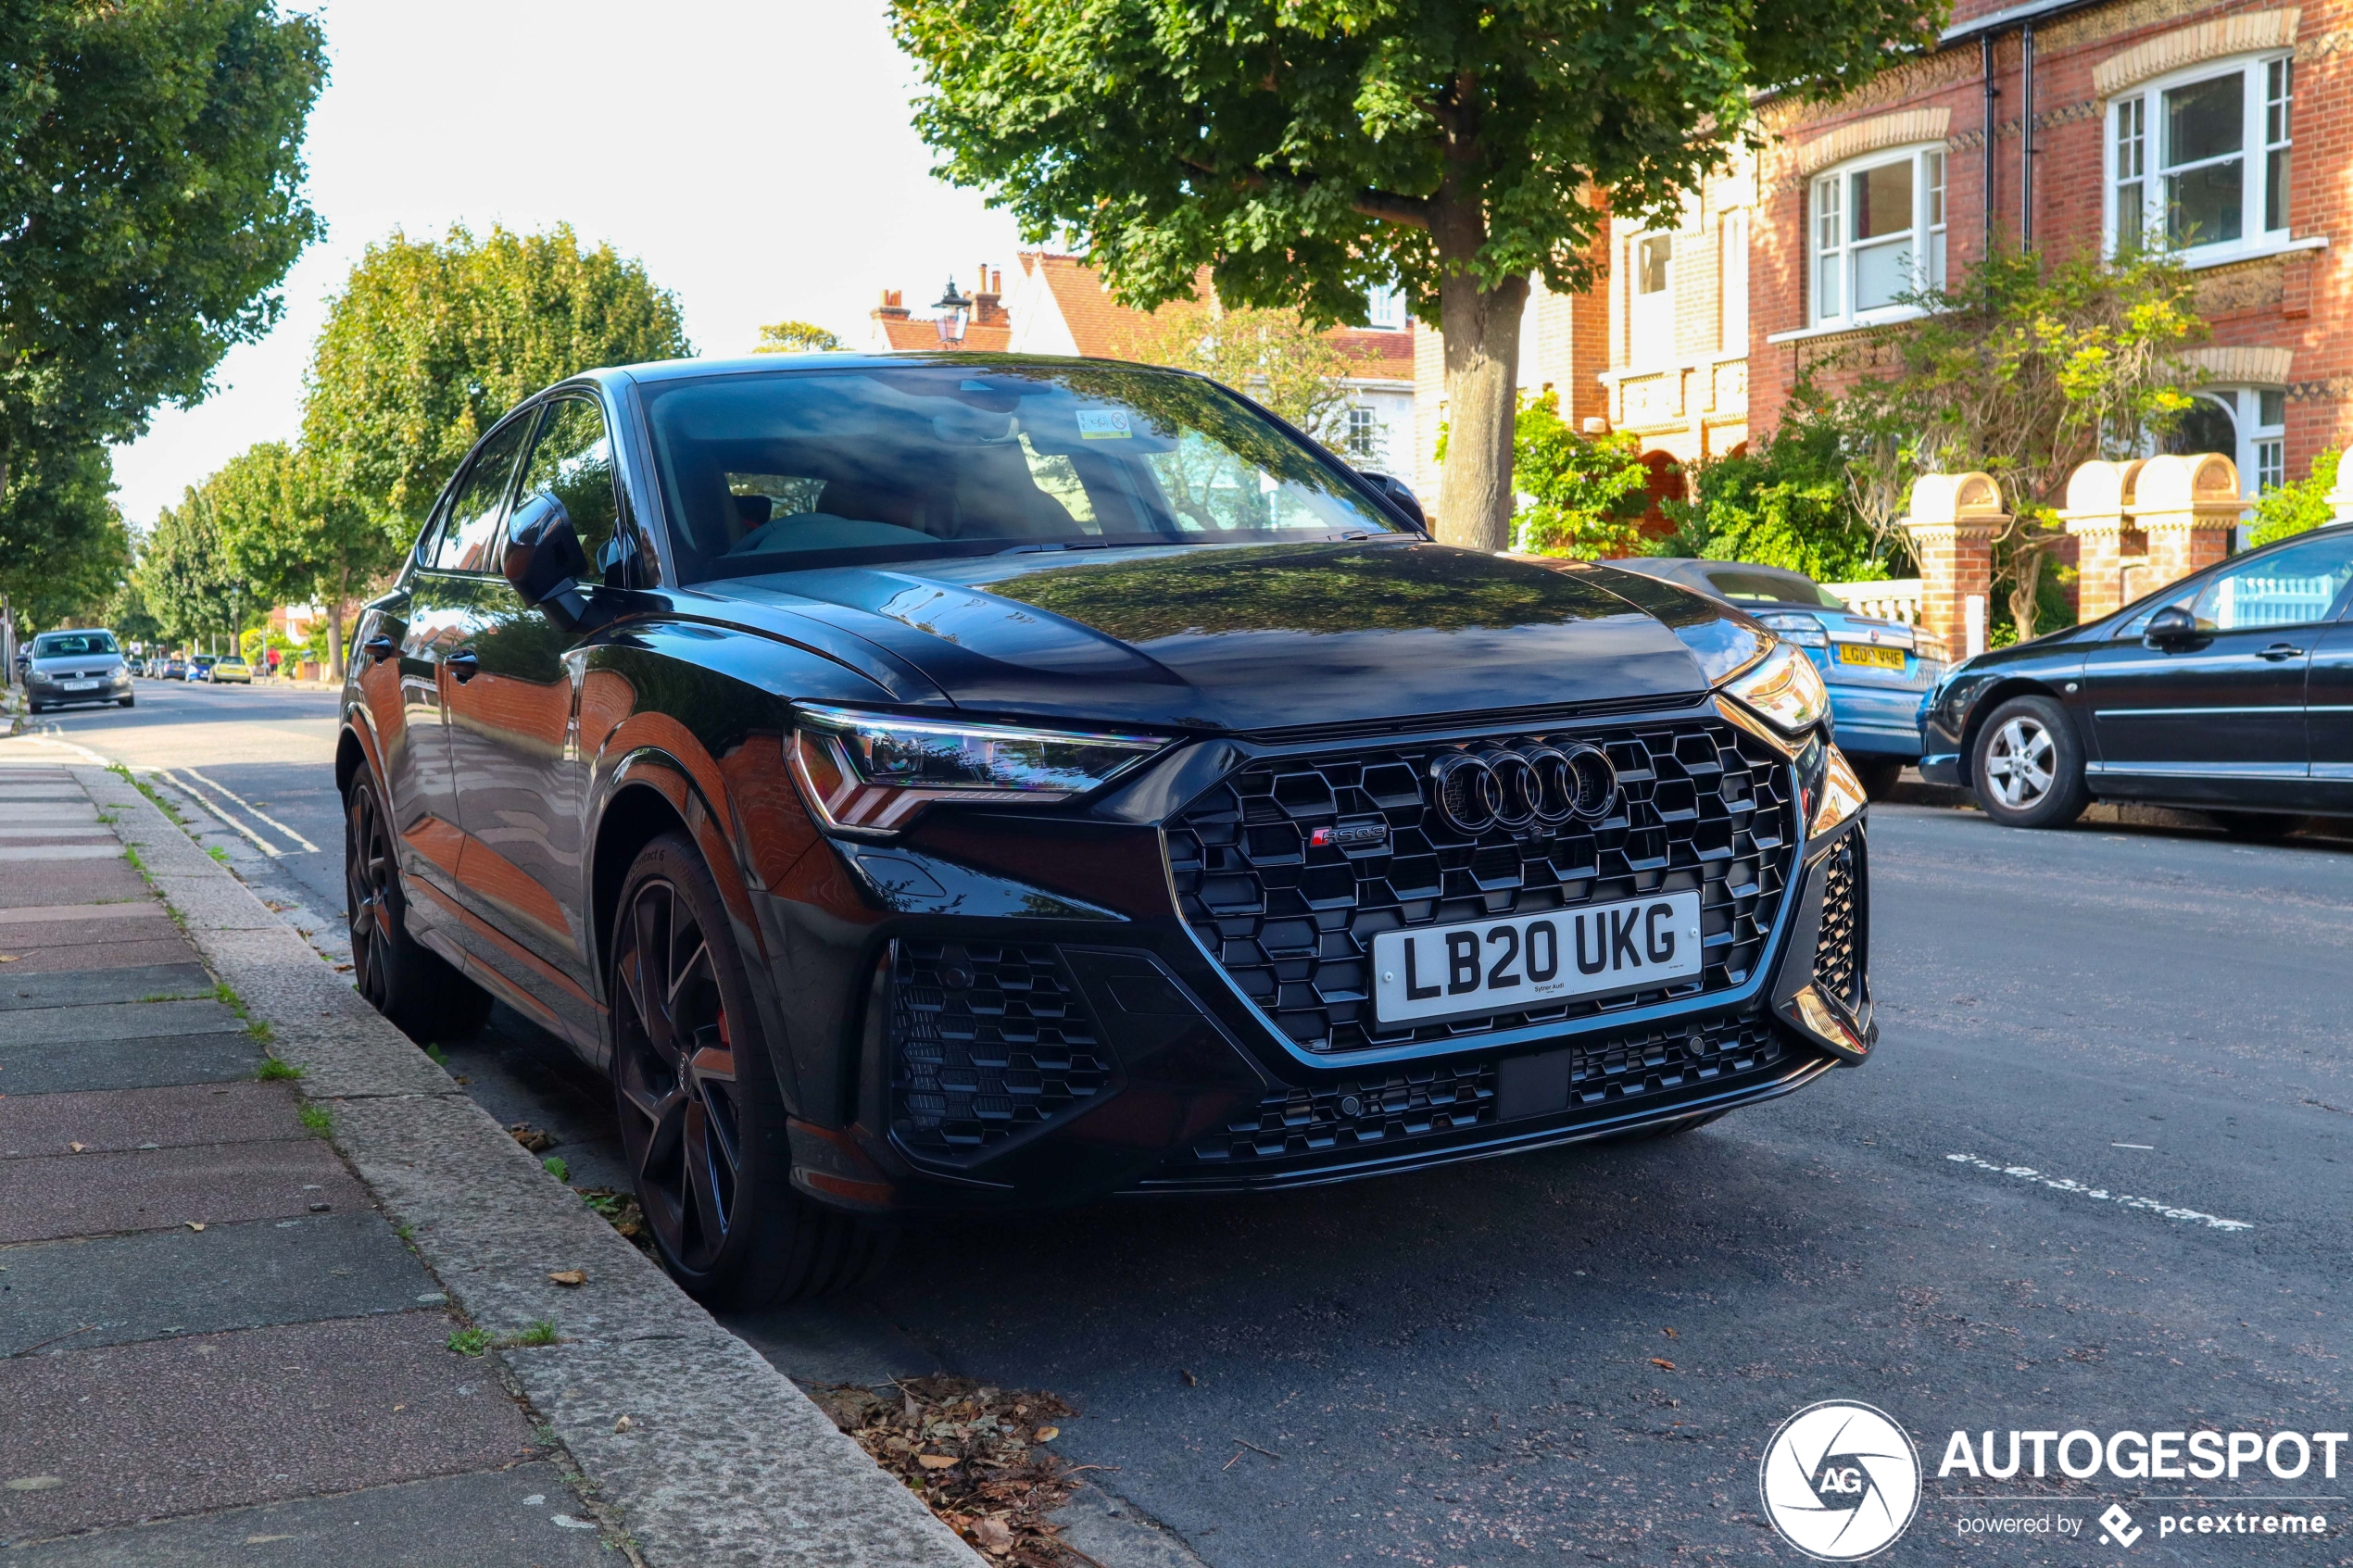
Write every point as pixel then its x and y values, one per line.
pixel 1354 835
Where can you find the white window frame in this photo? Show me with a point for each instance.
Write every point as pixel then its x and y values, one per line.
pixel 1732 281
pixel 1385 308
pixel 2269 130
pixel 1832 255
pixel 1363 432
pixel 1650 327
pixel 2262 450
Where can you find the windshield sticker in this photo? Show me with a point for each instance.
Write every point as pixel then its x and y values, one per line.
pixel 1103 424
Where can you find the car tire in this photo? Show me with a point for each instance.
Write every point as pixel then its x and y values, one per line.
pixel 126 702
pixel 702 1122
pixel 2257 827
pixel 36 708
pixel 427 998
pixel 2028 766
pixel 1878 774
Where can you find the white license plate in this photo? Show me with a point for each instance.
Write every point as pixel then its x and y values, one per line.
pixel 79 685
pixel 1533 960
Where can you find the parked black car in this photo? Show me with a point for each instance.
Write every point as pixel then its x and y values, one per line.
pixel 2230 691
pixel 981 781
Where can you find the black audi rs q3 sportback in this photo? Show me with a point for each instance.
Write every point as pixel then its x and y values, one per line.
pixel 974 780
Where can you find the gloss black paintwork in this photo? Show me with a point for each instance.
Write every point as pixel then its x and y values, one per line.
pixel 525 763
pixel 2255 720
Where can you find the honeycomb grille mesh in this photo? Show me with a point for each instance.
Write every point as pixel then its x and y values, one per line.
pixel 1838 968
pixel 986 1041
pixel 1703 806
pixel 1446 1096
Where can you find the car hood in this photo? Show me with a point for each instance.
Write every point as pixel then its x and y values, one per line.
pixel 1252 636
pixel 75 663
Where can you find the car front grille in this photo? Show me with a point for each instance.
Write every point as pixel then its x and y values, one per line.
pixel 1838 959
pixel 986 1041
pixel 1704 806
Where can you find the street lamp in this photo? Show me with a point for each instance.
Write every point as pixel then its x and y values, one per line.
pixel 958 311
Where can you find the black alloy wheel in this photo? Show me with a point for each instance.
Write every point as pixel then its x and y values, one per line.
pixel 400 978
pixel 702 1124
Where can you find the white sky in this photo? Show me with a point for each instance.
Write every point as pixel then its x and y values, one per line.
pixel 755 154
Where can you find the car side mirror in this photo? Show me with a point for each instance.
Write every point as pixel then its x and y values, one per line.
pixel 1397 494
pixel 544 561
pixel 2170 628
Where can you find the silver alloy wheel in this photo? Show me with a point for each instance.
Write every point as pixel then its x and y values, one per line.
pixel 2020 762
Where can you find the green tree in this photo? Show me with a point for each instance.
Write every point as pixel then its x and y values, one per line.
pixel 1274 355
pixel 184 572
pixel 1308 150
pixel 63 548
pixel 1585 494
pixel 430 343
pixel 2299 506
pixel 796 337
pixel 294 529
pixel 1787 502
pixel 151 198
pixel 2026 370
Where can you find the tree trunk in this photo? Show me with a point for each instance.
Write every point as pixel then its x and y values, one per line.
pixel 2027 568
pixel 1482 329
pixel 334 622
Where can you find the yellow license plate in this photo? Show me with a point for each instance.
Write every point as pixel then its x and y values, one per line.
pixel 1872 657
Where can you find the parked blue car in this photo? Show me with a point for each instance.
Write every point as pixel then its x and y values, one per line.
pixel 1876 674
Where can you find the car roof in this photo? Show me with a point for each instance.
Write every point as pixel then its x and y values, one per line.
pixel 748 364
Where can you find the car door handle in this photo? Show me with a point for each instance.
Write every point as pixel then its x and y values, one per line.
pixel 462 664
pixel 2279 652
pixel 380 647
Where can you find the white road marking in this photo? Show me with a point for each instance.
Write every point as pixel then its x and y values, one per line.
pixel 2122 1200
pixel 202 799
pixel 248 805
pixel 2131 1146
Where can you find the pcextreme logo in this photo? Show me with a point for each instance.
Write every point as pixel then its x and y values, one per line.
pixel 1840 1481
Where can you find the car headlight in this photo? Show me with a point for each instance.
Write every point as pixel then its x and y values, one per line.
pixel 1842 794
pixel 871 772
pixel 1795 626
pixel 1782 687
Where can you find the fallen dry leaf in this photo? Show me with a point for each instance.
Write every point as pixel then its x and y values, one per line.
pixel 993 1535
pixel 1670 1334
pixel 1190 1381
pixel 961 1447
pixel 9 958
pixel 532 1138
pixel 196 1225
pixel 569 1276
pixel 77 1148
pixel 936 1461
pixel 1047 1433
pixel 1662 1361
pixel 623 1424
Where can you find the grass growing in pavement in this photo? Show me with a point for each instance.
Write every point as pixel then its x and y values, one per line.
pixel 540 1332
pixel 469 1341
pixel 317 1117
pixel 257 1027
pixel 438 1056
pixel 554 1165
pixel 217 853
pixel 276 1070
pixel 131 853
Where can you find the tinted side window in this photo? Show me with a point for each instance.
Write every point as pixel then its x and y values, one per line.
pixel 470 539
pixel 572 461
pixel 2293 587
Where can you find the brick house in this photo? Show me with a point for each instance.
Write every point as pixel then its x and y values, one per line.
pixel 2220 127
pixel 1058 304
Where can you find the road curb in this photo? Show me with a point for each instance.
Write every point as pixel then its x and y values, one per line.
pixel 721 1460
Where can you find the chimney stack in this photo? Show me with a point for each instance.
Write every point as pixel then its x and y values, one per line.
pixel 890 310
pixel 987 299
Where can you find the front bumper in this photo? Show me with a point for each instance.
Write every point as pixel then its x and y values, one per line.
pixel 53 693
pixel 1040 1029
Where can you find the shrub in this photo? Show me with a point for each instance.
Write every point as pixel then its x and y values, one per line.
pixel 1784 503
pixel 1581 496
pixel 2297 507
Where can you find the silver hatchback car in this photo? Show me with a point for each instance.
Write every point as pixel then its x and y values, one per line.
pixel 81 664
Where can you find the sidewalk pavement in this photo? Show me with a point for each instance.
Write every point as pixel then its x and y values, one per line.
pixel 227 1307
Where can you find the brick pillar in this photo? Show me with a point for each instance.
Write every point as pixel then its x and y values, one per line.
pixel 1954 519
pixel 2187 506
pixel 2097 497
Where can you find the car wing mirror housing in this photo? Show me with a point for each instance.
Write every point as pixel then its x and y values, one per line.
pixel 544 562
pixel 2170 628
pixel 1399 494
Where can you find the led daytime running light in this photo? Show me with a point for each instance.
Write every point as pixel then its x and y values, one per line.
pixel 1784 687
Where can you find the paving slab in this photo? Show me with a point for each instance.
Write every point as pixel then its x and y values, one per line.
pixel 69 915
pixel 109 1120
pixel 124 1064
pixel 74 1296
pixel 114 1020
pixel 136 1432
pixel 110 851
pixel 140 982
pixel 490 1519
pixel 156 1190
pixel 81 882
pixel 163 944
pixel 18 813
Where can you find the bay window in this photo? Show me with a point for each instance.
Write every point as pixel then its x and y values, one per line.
pixel 2198 161
pixel 1878 235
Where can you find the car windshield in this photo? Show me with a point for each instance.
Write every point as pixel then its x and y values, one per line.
pixel 72 644
pixel 779 471
pixel 1765 584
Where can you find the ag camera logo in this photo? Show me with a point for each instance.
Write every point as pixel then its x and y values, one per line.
pixel 1840 1481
